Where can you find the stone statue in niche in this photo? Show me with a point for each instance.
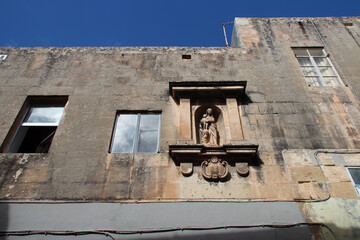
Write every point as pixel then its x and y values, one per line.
pixel 208 130
pixel 214 169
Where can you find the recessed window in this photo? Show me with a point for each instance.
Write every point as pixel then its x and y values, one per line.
pixel 186 56
pixel 317 67
pixel 38 121
pixel 136 133
pixel 348 24
pixel 3 57
pixel 354 173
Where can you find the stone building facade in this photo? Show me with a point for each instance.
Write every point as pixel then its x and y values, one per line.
pixel 120 143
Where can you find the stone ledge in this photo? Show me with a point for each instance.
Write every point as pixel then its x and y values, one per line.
pixel 222 89
pixel 238 156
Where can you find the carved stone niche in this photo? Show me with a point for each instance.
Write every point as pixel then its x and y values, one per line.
pixel 210 130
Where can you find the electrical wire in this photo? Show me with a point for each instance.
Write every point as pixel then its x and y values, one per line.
pixel 317 152
pixel 55 233
pixel 108 233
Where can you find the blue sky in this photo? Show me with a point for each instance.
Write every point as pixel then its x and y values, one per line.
pixel 32 23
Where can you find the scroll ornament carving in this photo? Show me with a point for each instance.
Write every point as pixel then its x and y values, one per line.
pixel 208 130
pixel 214 169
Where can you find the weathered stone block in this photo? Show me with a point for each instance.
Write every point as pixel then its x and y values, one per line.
pixel 336 174
pixel 343 190
pixel 306 174
pixel 310 191
pixel 275 191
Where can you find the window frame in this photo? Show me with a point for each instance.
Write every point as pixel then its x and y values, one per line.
pixel 31 102
pixel 3 57
pixel 321 77
pixel 356 186
pixel 40 124
pixel 135 143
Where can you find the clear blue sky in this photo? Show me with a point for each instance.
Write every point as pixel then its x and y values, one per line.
pixel 31 23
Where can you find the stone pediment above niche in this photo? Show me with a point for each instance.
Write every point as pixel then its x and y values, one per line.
pixel 210 129
pixel 222 89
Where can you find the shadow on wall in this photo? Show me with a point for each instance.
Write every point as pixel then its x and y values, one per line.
pixel 338 233
pixel 245 100
pixel 256 161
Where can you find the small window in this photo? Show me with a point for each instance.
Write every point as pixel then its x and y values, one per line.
pixel 3 57
pixel 136 133
pixel 354 173
pixel 317 67
pixel 37 126
pixel 186 56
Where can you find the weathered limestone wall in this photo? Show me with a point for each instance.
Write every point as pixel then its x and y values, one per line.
pixel 339 37
pixel 320 174
pixel 324 191
pixel 319 180
pixel 278 112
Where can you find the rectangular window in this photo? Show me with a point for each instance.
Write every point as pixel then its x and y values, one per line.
pixel 354 173
pixel 35 125
pixel 317 67
pixel 136 133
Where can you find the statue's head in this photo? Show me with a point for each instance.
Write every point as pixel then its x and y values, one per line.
pixel 214 160
pixel 209 111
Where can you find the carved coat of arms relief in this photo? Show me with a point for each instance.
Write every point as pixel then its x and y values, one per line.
pixel 214 169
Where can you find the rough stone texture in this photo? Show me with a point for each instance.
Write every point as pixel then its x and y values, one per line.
pixel 340 215
pixel 329 196
pixel 323 169
pixel 290 121
pixel 278 112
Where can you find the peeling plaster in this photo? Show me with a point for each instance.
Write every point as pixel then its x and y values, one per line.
pixel 18 173
pixel 24 159
pixel 342 215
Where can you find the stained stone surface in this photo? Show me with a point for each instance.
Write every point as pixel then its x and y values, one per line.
pixel 279 111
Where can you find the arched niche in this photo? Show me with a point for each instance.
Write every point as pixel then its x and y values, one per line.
pixel 219 120
pixel 194 98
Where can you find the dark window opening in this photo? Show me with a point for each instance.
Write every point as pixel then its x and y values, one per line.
pixel 35 126
pixel 348 24
pixel 187 56
pixel 37 139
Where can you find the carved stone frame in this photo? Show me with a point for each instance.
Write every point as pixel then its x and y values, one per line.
pixel 187 153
